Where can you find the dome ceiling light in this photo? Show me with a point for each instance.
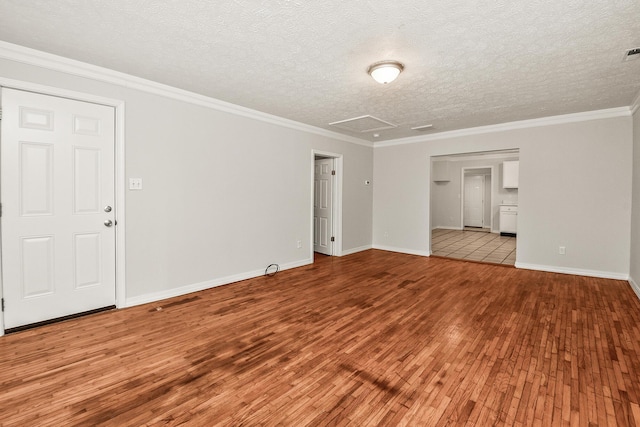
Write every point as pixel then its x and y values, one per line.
pixel 385 71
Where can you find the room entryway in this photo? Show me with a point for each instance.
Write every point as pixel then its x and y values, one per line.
pixel 469 192
pixel 324 170
pixel 58 207
pixel 326 209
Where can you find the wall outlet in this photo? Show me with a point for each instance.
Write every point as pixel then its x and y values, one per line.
pixel 386 234
pixel 299 244
pixel 135 183
pixel 562 250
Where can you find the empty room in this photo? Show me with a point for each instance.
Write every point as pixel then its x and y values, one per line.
pixel 295 213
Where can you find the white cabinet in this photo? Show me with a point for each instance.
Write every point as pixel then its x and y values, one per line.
pixel 510 172
pixel 440 171
pixel 508 219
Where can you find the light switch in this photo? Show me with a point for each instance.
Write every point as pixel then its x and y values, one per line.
pixel 135 183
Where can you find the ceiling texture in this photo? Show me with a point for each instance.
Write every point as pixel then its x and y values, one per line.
pixel 467 63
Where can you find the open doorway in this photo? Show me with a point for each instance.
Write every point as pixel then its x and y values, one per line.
pixel 469 191
pixel 326 225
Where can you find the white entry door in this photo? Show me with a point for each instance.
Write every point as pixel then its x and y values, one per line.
pixel 474 201
pixel 322 206
pixel 57 194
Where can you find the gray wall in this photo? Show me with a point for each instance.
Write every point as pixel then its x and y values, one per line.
pixel 575 191
pixel 223 194
pixel 634 272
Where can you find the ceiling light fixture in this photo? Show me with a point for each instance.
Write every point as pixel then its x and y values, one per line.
pixel 385 71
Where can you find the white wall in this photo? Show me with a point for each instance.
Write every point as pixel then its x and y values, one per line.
pixel 224 195
pixel 575 191
pixel 634 271
pixel 446 197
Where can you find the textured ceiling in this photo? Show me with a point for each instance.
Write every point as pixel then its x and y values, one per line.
pixel 468 63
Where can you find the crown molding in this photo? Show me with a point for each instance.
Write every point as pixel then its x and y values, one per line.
pixel 52 62
pixel 521 124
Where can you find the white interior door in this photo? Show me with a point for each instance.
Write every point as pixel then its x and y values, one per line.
pixel 474 201
pixel 57 192
pixel 322 206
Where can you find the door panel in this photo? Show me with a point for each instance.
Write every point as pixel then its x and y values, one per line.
pixel 473 201
pixel 57 176
pixel 322 207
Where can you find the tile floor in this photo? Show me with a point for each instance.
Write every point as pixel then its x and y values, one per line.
pixel 474 246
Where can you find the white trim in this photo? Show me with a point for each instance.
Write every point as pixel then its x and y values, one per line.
pixel 356 250
pixel 196 287
pixel 573 271
pixel 635 104
pixel 520 124
pixel 466 156
pixel 336 249
pixel 38 58
pixel 402 250
pixel 444 227
pixel 634 286
pixel 120 188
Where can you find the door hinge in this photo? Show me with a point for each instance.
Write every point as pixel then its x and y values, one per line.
pixel 333 239
pixel 0 209
pixel 333 172
pixel 2 304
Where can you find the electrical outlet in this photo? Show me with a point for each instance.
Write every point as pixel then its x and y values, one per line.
pixel 299 243
pixel 562 250
pixel 135 183
pixel 386 234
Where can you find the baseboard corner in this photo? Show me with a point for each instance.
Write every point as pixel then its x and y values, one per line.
pixel 634 286
pixel 356 250
pixel 402 250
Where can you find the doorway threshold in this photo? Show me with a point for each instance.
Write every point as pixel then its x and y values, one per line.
pixel 478 229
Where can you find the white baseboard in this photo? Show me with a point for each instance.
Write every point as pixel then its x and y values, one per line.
pixel 574 271
pixel 401 250
pixel 442 227
pixel 356 250
pixel 183 290
pixel 634 286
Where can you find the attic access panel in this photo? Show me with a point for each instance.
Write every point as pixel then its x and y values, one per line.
pixel 363 124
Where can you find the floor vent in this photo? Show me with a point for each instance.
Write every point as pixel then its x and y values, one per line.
pixel 363 124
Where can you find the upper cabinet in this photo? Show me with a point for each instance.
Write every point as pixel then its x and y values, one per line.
pixel 440 171
pixel 510 173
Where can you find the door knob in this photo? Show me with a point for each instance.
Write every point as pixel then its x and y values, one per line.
pixel 108 223
pixel 107 208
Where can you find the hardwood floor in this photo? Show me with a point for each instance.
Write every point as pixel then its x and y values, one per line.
pixel 374 338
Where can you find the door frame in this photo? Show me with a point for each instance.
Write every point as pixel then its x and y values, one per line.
pixel 336 194
pixel 462 174
pixel 119 172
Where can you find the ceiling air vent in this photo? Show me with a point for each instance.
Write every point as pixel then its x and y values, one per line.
pixel 632 54
pixel 422 128
pixel 363 124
